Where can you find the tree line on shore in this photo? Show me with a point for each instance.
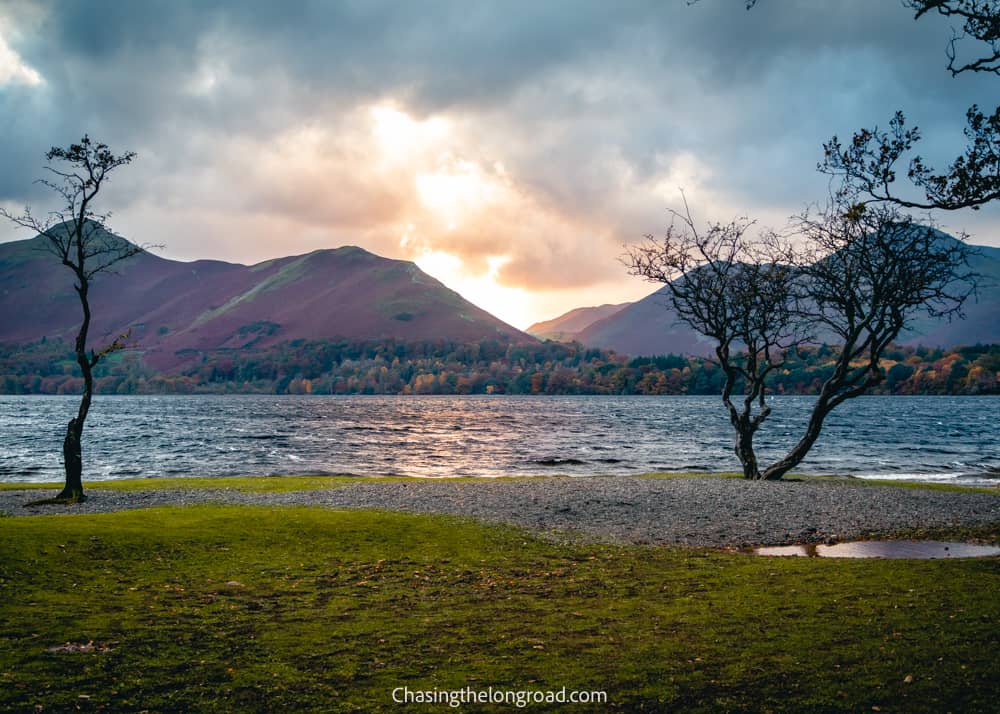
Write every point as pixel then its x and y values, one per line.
pixel 484 367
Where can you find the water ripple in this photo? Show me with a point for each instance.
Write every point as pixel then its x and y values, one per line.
pixel 929 438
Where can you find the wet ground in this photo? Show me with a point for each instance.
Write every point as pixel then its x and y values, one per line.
pixel 916 549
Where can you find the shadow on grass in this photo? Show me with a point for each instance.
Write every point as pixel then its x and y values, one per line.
pixel 215 608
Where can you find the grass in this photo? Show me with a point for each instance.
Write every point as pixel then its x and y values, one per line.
pixel 273 484
pixel 249 484
pixel 218 608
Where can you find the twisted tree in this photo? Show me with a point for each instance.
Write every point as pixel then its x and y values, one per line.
pixel 856 278
pixel 76 236
pixel 734 289
pixel 864 274
pixel 862 269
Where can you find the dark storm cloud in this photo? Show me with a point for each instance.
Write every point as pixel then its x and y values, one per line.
pixel 120 64
pixel 441 53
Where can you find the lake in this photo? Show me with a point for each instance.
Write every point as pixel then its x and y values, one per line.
pixel 942 439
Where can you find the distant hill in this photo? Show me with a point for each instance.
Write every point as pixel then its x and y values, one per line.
pixel 178 309
pixel 646 327
pixel 982 311
pixel 650 327
pixel 565 327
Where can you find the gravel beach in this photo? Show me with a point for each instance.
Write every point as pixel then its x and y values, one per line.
pixel 689 511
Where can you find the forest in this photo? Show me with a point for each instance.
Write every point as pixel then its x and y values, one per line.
pixel 484 367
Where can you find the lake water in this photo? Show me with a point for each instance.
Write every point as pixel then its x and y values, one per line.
pixel 943 439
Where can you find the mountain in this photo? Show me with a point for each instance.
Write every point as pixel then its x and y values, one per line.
pixel 178 309
pixel 565 327
pixel 982 311
pixel 645 327
pixel 650 326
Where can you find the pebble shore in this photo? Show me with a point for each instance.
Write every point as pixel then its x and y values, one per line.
pixel 689 511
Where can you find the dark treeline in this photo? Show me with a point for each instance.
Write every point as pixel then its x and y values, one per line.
pixel 485 367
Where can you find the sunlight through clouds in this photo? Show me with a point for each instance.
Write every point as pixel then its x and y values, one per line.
pixel 457 190
pixel 207 78
pixel 402 139
pixel 531 143
pixel 13 70
pixel 514 306
pixel 427 189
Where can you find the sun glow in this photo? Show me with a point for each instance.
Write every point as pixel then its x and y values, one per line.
pixel 454 192
pixel 401 139
pixel 447 186
pixel 463 217
pixel 443 266
pixel 13 70
pixel 512 305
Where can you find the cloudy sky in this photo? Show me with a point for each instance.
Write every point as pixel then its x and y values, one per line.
pixel 510 148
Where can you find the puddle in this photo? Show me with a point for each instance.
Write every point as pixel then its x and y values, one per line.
pixel 919 549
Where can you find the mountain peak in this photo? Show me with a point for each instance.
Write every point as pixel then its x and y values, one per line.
pixel 651 327
pixel 178 310
pixel 568 325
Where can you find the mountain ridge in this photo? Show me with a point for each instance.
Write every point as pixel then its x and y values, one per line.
pixel 178 309
pixel 650 327
pixel 574 321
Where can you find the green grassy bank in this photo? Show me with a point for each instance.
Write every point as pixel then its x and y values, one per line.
pixel 274 484
pixel 214 608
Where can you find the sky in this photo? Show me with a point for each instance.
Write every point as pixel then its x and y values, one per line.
pixel 512 149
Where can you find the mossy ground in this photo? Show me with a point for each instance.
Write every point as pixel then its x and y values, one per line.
pixel 262 484
pixel 211 608
pixel 250 484
pixel 240 483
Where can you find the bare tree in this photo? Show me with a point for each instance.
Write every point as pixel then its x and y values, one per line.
pixel 868 164
pixel 75 234
pixel 865 273
pixel 736 291
pixel 980 21
pixel 858 277
pixel 863 269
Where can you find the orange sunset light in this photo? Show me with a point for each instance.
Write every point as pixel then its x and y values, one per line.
pixel 512 305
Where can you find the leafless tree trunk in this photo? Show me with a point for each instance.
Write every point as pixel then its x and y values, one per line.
pixel 867 269
pixel 858 275
pixel 867 273
pixel 77 237
pixel 737 291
